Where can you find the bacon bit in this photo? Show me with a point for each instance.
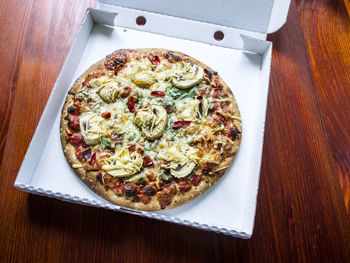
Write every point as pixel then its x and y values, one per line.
pixel 184 185
pixel 200 94
pixel 73 122
pixel 157 93
pixel 168 108
pixel 180 124
pixel 147 161
pixel 93 159
pixel 166 195
pixel 132 148
pixel 154 59
pixel 131 104
pixel 150 176
pixel 106 115
pixel 196 178
pixel 76 139
pixel 222 117
pixel 126 92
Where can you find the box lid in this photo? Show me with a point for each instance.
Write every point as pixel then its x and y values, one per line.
pixel 263 16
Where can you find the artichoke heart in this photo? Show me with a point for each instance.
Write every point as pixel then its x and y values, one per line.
pixel 182 158
pixel 89 128
pixel 152 120
pixel 144 79
pixel 183 170
pixel 109 91
pixel 187 75
pixel 123 164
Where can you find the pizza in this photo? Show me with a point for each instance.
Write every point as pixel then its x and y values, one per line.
pixel 150 129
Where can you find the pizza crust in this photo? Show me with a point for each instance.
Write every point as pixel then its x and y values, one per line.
pixel 90 177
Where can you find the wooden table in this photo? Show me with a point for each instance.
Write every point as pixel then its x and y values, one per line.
pixel 304 196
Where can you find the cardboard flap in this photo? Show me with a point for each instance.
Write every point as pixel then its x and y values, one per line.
pixel 278 15
pixel 251 15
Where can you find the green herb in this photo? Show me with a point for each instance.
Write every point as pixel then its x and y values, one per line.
pixel 194 91
pixel 84 94
pixel 142 181
pixel 175 92
pixel 210 106
pixel 106 143
pixel 179 94
pixel 170 122
pixel 165 176
pixel 136 179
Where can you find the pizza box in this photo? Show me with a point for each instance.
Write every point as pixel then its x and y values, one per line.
pixel 196 28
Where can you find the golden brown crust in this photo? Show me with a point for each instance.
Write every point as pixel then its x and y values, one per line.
pixel 90 177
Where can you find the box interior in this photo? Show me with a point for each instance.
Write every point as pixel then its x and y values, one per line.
pixel 230 204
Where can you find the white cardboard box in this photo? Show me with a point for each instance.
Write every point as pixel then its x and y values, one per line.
pixel 242 59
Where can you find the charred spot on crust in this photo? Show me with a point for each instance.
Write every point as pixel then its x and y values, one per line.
pixel 209 74
pixel 130 190
pixel 100 178
pixel 205 171
pixel 149 190
pixel 234 132
pixel 172 57
pixel 116 60
pixel 72 109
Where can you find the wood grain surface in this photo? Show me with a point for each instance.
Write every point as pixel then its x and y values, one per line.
pixel 304 196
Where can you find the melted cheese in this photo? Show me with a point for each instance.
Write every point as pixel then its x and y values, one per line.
pixel 177 152
pixel 173 146
pixel 187 109
pixel 122 163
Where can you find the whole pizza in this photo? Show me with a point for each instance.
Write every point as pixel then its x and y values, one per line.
pixel 150 129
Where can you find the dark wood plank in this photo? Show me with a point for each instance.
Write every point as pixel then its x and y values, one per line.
pixel 303 202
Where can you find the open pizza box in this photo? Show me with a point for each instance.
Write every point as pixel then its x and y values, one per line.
pixel 242 58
